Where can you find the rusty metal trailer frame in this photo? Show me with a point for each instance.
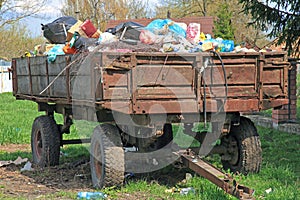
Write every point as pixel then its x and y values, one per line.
pixel 117 82
pixel 250 77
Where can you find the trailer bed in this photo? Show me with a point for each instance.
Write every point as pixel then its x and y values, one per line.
pixel 132 83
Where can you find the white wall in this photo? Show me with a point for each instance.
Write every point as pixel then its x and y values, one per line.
pixel 5 83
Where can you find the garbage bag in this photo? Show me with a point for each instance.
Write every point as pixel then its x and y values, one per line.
pixel 227 46
pixel 106 38
pixel 147 37
pixel 128 30
pixel 162 26
pixel 56 31
pixel 55 51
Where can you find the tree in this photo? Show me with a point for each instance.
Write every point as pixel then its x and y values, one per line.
pixel 12 11
pixel 280 18
pixel 239 20
pixel 100 11
pixel 183 8
pixel 17 40
pixel 223 26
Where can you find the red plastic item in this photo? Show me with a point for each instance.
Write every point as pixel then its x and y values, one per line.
pixel 88 27
pixel 69 50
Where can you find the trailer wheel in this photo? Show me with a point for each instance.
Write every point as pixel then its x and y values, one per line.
pixel 244 154
pixel 45 141
pixel 107 157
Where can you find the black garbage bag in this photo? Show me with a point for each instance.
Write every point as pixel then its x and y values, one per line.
pixel 55 32
pixel 83 43
pixel 128 30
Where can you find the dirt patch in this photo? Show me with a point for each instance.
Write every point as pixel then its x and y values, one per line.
pixel 10 148
pixel 44 181
pixel 71 177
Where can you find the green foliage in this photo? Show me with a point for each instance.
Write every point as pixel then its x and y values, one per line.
pixel 281 18
pixel 17 40
pixel 16 118
pixel 14 155
pixel 223 26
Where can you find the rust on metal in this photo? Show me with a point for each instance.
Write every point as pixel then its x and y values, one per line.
pixel 48 78
pixel 30 75
pixel 68 83
pixel 222 180
pixel 14 77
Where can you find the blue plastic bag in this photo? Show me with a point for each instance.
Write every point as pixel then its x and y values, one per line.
pixel 227 46
pixel 54 51
pixel 161 26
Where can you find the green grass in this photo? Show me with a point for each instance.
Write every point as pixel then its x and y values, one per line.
pixel 280 170
pixel 16 118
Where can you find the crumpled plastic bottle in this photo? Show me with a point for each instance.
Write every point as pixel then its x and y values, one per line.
pixel 91 195
pixel 189 190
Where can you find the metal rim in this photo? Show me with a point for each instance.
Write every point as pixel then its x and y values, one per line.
pixel 38 144
pixel 98 165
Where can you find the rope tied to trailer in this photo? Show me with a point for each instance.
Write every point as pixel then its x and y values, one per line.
pixel 61 72
pixel 202 71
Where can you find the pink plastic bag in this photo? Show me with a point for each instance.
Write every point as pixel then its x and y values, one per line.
pixel 193 32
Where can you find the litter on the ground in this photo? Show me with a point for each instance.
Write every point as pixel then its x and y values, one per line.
pixel 27 167
pixel 91 195
pixel 188 190
pixel 268 190
pixel 18 161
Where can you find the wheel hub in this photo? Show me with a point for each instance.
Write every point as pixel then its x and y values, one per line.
pixel 232 150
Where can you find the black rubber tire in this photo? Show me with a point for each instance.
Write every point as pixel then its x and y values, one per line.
pixel 45 141
pixel 107 157
pixel 249 157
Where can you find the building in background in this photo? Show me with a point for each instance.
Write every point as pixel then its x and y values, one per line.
pixel 5 81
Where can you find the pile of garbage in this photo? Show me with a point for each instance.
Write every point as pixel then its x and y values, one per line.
pixel 67 35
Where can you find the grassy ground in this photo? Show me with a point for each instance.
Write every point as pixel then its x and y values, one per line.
pixel 280 170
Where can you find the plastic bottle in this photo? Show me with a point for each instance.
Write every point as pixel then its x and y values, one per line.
pixel 91 195
pixel 185 191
